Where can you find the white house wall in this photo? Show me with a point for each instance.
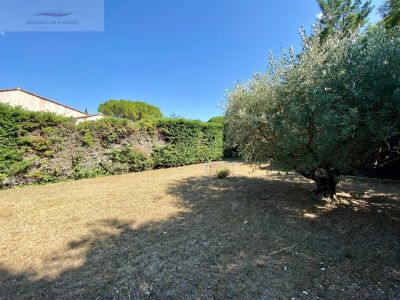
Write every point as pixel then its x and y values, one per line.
pixel 34 103
pixel 89 118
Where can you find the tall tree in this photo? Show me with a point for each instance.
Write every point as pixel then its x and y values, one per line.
pixel 218 120
pixel 321 113
pixel 342 16
pixel 390 12
pixel 132 110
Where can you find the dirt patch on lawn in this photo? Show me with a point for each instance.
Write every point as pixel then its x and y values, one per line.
pixel 180 233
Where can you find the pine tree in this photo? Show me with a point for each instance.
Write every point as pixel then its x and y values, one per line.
pixel 390 12
pixel 342 16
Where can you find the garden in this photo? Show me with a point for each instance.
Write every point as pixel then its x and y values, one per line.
pixel 267 201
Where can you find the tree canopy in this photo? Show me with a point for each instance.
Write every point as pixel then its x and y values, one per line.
pixel 342 16
pixel 132 110
pixel 390 12
pixel 323 112
pixel 218 120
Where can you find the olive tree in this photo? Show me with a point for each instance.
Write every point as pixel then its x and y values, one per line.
pixel 320 113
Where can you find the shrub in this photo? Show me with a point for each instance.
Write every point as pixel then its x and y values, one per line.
pixel 37 147
pixel 37 142
pixel 131 159
pixel 87 139
pixel 3 178
pixel 188 142
pixel 16 123
pixel 80 172
pixel 21 167
pixel 108 130
pixel 223 173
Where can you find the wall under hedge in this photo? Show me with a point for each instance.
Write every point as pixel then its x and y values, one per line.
pixel 42 147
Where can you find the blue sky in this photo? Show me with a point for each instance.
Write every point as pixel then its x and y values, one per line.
pixel 179 55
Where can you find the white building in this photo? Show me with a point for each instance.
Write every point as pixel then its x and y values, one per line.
pixel 29 101
pixel 94 117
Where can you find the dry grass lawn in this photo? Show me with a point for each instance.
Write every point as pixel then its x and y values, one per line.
pixel 180 234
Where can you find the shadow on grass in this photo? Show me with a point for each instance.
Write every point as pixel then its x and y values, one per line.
pixel 242 237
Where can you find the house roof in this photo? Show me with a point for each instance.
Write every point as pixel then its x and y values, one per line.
pixel 46 99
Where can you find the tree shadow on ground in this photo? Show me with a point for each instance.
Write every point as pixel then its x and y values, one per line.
pixel 241 237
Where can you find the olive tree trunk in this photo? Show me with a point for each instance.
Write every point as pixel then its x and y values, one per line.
pixel 326 182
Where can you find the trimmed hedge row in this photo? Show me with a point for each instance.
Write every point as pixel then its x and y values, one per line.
pixel 188 142
pixel 43 147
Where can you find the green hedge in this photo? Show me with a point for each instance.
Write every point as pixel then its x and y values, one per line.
pixel 42 147
pixel 15 141
pixel 188 142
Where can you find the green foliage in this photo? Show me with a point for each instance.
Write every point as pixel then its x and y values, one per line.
pixel 107 130
pixel 132 110
pixel 80 172
pixel 20 167
pixel 188 142
pixel 218 120
pixel 16 126
pixel 223 173
pixel 342 17
pixel 3 178
pixel 39 148
pixel 326 110
pixel 129 159
pixel 230 149
pixel 88 139
pixel 390 12
pixel 40 176
pixel 36 142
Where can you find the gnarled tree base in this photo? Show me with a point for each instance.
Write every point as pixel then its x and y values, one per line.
pixel 325 179
pixel 326 182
